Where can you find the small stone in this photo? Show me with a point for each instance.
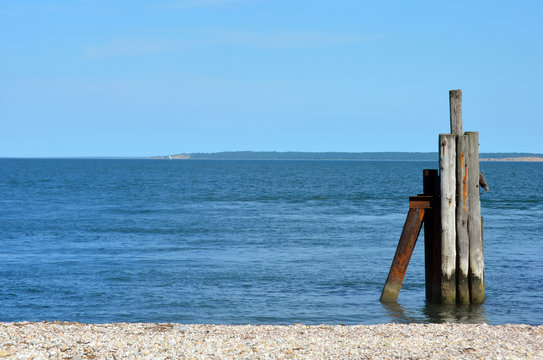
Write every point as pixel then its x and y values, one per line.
pixel 179 327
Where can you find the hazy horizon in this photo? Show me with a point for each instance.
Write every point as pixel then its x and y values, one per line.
pixel 414 153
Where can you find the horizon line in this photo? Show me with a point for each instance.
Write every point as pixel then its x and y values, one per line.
pixel 120 157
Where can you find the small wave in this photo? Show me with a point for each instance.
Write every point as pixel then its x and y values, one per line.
pixel 132 211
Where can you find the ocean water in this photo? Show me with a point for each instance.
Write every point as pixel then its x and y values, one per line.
pixel 238 242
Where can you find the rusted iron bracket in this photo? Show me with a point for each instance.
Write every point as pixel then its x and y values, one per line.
pixel 421 202
pixel 408 239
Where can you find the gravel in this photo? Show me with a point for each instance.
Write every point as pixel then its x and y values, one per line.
pixel 62 340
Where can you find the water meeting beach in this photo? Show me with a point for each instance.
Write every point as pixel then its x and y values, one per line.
pixel 68 340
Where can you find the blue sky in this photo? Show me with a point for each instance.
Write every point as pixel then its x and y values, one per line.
pixel 138 78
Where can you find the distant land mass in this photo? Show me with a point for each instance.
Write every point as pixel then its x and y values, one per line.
pixel 520 158
pixel 348 156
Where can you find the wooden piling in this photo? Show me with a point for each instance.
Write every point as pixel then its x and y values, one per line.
pixel 447 168
pixel 453 226
pixel 476 257
pixel 462 210
pixel 455 110
pixel 432 237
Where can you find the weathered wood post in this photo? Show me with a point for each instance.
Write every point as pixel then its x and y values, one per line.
pixel 462 211
pixel 455 111
pixel 469 244
pixel 476 257
pixel 447 169
pixel 462 204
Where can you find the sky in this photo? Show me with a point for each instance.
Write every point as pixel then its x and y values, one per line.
pixel 141 78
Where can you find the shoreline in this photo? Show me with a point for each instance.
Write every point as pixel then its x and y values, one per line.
pixel 515 159
pixel 68 340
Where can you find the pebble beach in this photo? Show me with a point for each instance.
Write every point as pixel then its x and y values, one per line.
pixel 62 340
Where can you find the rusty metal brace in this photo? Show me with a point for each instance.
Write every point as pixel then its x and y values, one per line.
pixel 408 239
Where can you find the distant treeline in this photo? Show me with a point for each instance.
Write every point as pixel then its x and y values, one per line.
pixel 293 155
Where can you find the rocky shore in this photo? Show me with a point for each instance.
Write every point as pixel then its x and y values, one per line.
pixel 58 340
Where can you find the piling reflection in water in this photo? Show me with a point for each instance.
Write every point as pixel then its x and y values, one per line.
pixel 398 313
pixel 437 313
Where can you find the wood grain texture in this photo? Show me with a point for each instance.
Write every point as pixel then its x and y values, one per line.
pixel 455 109
pixel 476 256
pixel 462 209
pixel 447 169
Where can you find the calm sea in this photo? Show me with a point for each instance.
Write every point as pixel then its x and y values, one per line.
pixel 237 242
